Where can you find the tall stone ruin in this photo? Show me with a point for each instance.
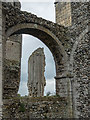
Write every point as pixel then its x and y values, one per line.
pixel 36 68
pixel 68 41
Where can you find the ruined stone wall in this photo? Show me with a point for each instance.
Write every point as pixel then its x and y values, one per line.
pixel 80 40
pixel 81 82
pixel 76 75
pixel 37 108
pixel 36 68
pixel 12 66
pixel 16 17
pixel 79 54
pixel 63 13
pixel 12 62
pixel 80 19
pixel 0 60
pixel 2 53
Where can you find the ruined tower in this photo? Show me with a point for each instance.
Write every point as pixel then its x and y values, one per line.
pixel 36 68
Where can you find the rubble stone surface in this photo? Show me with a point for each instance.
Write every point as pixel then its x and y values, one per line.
pixel 68 41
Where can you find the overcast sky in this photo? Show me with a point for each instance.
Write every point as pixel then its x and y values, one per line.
pixel 30 44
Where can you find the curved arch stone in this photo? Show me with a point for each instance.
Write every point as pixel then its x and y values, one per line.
pixel 46 36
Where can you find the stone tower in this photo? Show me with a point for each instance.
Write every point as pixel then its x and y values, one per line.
pixel 63 13
pixel 36 68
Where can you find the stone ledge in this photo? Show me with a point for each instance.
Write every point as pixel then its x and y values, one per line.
pixel 64 76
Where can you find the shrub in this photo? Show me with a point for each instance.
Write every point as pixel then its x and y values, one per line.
pixel 22 107
pixel 48 94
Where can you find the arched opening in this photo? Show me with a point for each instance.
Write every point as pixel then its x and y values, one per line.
pixel 48 38
pixel 29 45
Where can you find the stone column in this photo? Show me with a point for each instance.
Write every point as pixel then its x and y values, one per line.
pixel 64 89
pixel 63 86
pixel 0 60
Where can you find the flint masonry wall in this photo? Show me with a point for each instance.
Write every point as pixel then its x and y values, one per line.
pixel 16 16
pixel 9 107
pixel 12 63
pixel 80 39
pixel 37 108
pixel 12 66
pixel 2 54
pixel 36 69
pixel 81 82
pixel 0 60
pixel 77 79
pixel 79 55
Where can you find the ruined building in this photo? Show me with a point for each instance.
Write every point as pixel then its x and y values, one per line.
pixel 36 68
pixel 68 41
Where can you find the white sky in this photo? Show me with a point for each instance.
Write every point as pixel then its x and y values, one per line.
pixel 46 0
pixel 30 43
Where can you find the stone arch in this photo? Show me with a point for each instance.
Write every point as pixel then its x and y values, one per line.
pixel 54 36
pixel 47 37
